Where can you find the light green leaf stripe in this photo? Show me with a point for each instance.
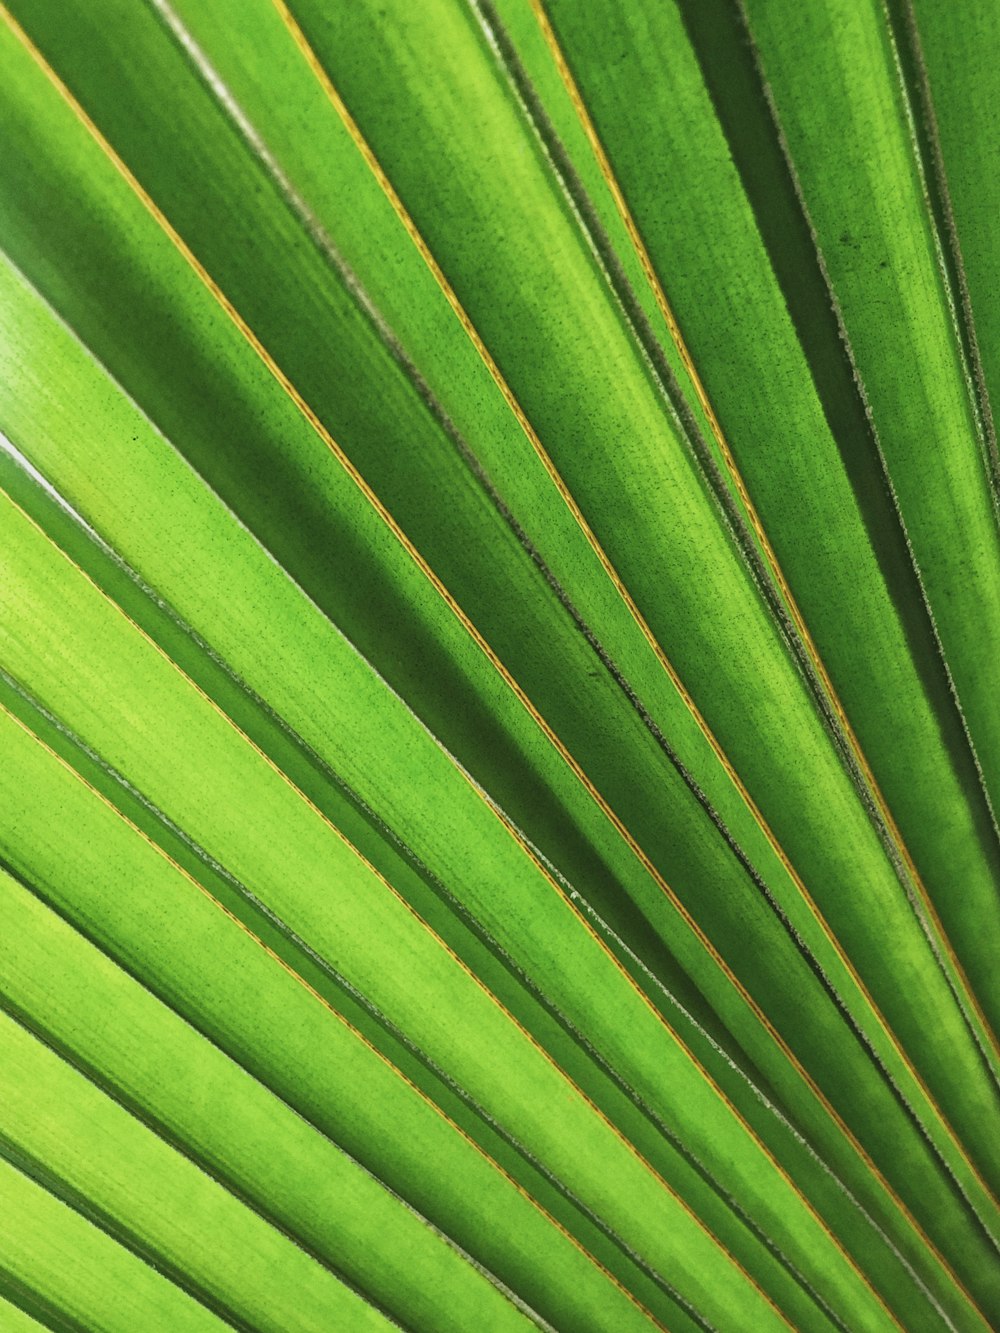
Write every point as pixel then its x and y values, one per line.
pixel 248 1139
pixel 80 1270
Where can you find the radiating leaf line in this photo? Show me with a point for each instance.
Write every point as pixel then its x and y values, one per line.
pixel 870 426
pixel 462 446
pixel 314 421
pixel 848 744
pixel 338 103
pixel 323 1002
pixel 324 77
pixel 299 944
pixel 464 319
pixel 877 445
pixel 384 1021
pixel 455 905
pixel 391 1063
pixel 911 1272
pixel 89 1152
pixel 535 556
pixel 216 707
pixel 158 1126
pixel 463 966
pixel 902 22
pixel 643 332
pixel 81 1266
pixel 571 893
pixel 53 1184
pixel 36 1311
pixel 341 982
pixel 329 973
pixel 598 922
pixel 829 297
pixel 171 664
pixel 432 564
pixel 912 71
pixel 896 74
pixel 305 216
pixel 155 1125
pixel 362 55
pixel 326 247
pixel 783 1119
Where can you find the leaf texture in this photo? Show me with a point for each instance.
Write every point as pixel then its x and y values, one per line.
pixel 498 666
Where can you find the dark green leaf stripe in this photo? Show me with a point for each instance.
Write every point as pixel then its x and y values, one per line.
pixel 565 168
pixel 794 493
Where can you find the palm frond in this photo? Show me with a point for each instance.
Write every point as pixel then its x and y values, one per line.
pixel 498 665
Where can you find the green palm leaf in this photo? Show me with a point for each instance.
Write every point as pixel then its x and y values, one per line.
pixel 498 666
